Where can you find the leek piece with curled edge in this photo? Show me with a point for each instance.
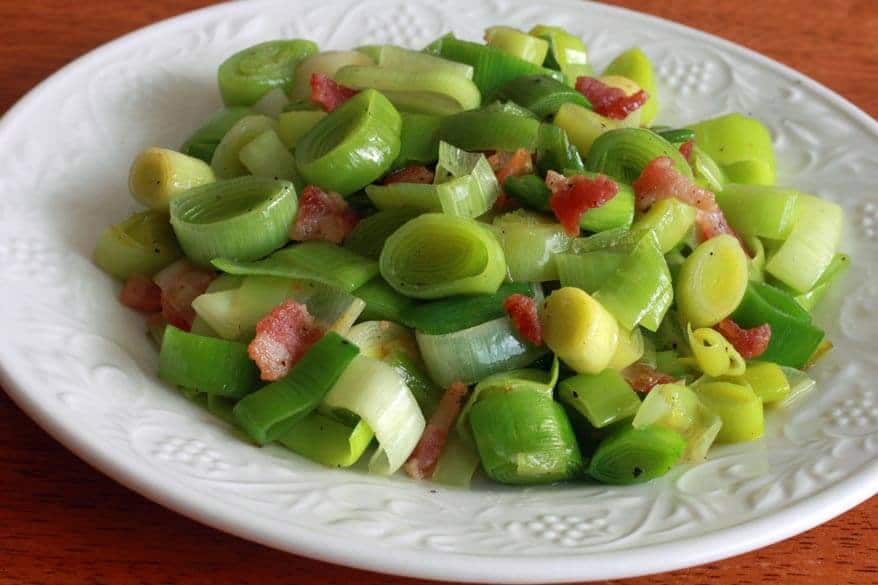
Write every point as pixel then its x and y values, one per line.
pixel 567 53
pixel 530 242
pixel 518 44
pixel 376 393
pixel 437 255
pixel 588 271
pixel 383 303
pixel 238 219
pixel 623 153
pixel 740 145
pixel 767 380
pixel 207 364
pixel 713 354
pixel 412 372
pixel 678 408
pixel 266 156
pixel 839 265
pixel 629 456
pixel 226 163
pixel 670 219
pixel 324 63
pixel 492 67
pixel 435 92
pixel 470 355
pixel 603 398
pixel 158 175
pixel 811 246
pixel 707 173
pixel 368 236
pixel 269 413
pixel 400 59
pixel 524 438
pixel 203 142
pixel 757 210
pixel 712 281
pixel 540 94
pixel 419 140
pixel 319 261
pixel 291 126
pixel 739 408
pixel 640 291
pixel 382 339
pixel 484 130
pixel 579 330
pixel 142 244
pixel 464 311
pixel 248 75
pixel 328 441
pixel 352 146
pixel 793 338
pixel 635 65
pixel 555 152
pixel 583 126
pixel 464 186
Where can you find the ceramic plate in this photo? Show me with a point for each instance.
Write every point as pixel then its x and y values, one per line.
pixel 80 365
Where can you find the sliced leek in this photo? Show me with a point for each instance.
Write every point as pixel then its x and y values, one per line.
pixel 142 244
pixel 158 175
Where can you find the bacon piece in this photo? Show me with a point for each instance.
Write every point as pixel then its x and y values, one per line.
pixel 644 378
pixel 327 94
pixel 141 294
pixel 522 309
pixel 686 150
pixel 509 164
pixel 750 343
pixel 422 462
pixel 609 101
pixel 659 180
pixel 282 338
pixel 322 216
pixel 410 174
pixel 572 197
pixel 181 283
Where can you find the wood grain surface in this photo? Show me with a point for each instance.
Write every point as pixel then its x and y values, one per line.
pixel 63 522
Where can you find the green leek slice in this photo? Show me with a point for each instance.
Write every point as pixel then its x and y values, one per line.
pixel 635 65
pixel 623 153
pixel 142 244
pixel 540 94
pixel 603 398
pixel 629 455
pixel 712 281
pixel 248 75
pixel 203 142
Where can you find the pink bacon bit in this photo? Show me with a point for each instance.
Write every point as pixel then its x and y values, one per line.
pixel 572 197
pixel 322 216
pixel 644 378
pixel 522 310
pixel 509 164
pixel 422 462
pixel 410 174
pixel 660 180
pixel 282 338
pixel 750 343
pixel 327 94
pixel 686 150
pixel 181 283
pixel 141 294
pixel 608 101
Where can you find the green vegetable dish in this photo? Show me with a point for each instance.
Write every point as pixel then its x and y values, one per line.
pixel 475 257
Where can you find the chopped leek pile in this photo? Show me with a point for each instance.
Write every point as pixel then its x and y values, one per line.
pixel 475 258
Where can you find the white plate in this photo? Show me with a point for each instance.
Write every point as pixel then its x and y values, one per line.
pixel 79 364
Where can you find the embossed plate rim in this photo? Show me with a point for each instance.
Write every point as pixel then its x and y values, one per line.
pixel 166 490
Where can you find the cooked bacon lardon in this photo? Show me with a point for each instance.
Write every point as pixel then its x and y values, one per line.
pixel 181 283
pixel 410 174
pixel 660 180
pixel 327 94
pixel 523 311
pixel 141 294
pixel 750 343
pixel 282 338
pixel 322 216
pixel 509 164
pixel 644 378
pixel 686 150
pixel 608 101
pixel 572 197
pixel 422 462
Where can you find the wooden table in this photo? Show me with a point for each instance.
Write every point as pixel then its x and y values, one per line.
pixel 62 522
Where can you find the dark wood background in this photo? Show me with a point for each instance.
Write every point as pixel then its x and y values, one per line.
pixel 63 522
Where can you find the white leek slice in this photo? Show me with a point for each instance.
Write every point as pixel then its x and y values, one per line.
pixel 374 391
